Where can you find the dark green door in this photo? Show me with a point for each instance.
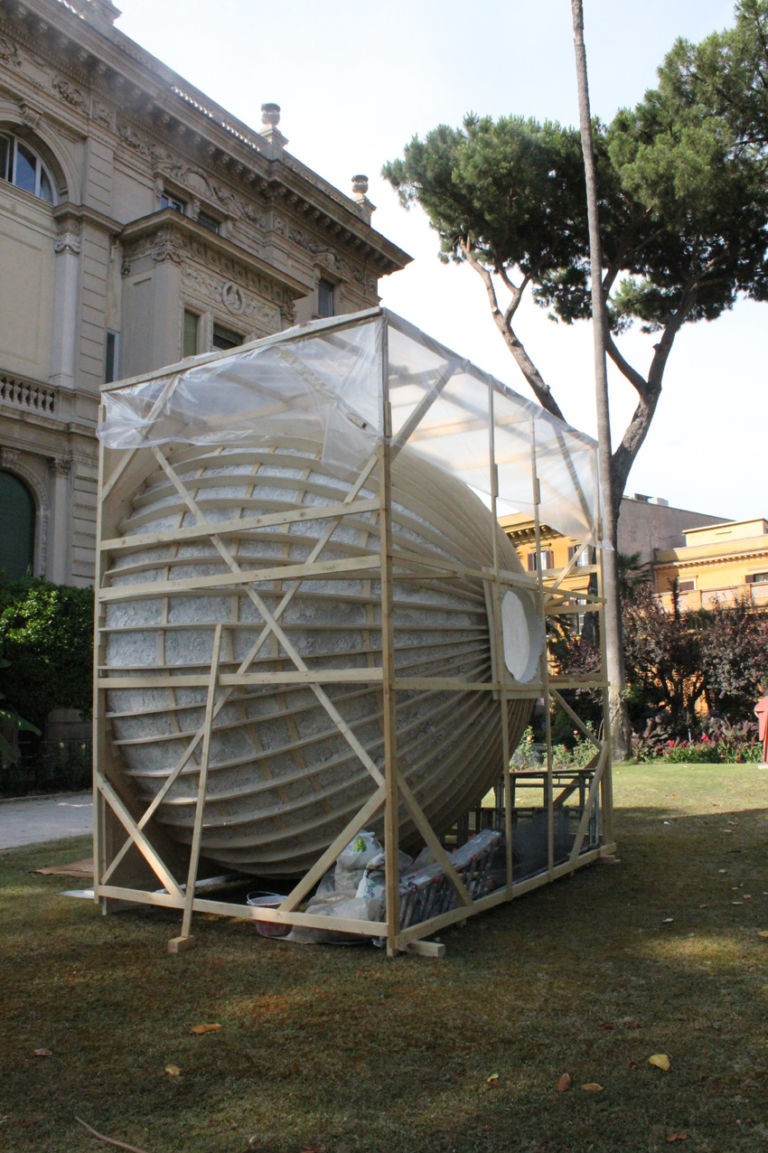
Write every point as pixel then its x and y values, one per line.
pixel 17 527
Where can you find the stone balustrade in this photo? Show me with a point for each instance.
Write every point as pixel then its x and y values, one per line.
pixel 20 393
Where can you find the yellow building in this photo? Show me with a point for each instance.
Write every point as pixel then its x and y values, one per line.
pixel 560 558
pixel 711 560
pixel 722 563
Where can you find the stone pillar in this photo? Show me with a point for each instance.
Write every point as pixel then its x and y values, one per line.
pixel 168 258
pixel 65 309
pixel 60 521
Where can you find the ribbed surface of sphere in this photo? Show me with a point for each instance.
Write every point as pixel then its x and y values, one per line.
pixel 284 778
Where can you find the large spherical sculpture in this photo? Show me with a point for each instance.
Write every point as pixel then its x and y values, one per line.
pixel 284 778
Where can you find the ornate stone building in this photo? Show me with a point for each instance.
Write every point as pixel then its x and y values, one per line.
pixel 139 223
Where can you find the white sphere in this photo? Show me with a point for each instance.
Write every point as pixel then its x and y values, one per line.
pixel 283 779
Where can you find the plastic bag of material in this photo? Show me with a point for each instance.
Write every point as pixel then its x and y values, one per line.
pixel 336 906
pixel 373 881
pixel 351 863
pixel 327 883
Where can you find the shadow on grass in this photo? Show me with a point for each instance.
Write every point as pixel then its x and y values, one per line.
pixel 340 1048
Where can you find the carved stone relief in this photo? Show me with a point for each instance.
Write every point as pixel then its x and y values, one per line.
pixel 9 53
pixel 259 312
pixel 167 246
pixel 8 457
pixel 253 214
pixel 232 270
pixel 102 114
pixel 139 144
pixel 325 257
pixel 68 241
pixel 59 465
pixel 68 93
pixel 197 182
pixel 30 116
pixel 232 297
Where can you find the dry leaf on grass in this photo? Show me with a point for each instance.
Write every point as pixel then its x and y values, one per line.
pixel 660 1061
pixel 198 1030
pixel 43 1053
pixel 492 1079
pixel 763 933
pixel 593 1087
pixel 675 1137
pixel 564 1083
pixel 172 1070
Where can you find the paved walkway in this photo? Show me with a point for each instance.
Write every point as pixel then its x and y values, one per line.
pixel 28 820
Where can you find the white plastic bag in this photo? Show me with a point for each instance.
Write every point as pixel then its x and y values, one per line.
pixel 351 863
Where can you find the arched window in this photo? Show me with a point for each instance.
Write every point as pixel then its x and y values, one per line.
pixel 17 527
pixel 20 165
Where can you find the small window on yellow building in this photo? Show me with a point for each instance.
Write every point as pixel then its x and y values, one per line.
pixel 547 560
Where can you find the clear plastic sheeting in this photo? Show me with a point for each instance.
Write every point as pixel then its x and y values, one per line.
pixel 333 379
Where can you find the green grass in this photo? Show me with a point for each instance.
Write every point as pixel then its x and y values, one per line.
pixel 343 1049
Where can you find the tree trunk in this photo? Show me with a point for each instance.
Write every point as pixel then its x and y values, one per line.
pixel 619 725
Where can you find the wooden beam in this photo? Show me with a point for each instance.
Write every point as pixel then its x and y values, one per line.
pixel 202 786
pixel 239 525
pixel 146 849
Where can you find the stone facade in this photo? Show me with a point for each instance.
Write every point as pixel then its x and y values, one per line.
pixel 139 222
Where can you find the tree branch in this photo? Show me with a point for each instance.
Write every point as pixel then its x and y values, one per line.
pixel 503 321
pixel 636 379
pixel 648 392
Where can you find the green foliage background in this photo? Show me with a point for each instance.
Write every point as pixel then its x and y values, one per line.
pixel 46 638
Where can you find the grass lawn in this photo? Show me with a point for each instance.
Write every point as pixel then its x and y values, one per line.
pixel 342 1050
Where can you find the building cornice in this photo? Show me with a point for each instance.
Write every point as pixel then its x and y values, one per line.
pixel 68 212
pixel 526 533
pixel 168 235
pixel 710 561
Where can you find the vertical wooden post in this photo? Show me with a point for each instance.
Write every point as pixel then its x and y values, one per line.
pixel 98 739
pixel 202 785
pixel 497 641
pixel 541 605
pixel 391 821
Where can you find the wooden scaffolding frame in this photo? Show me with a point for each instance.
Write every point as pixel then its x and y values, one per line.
pixel 137 862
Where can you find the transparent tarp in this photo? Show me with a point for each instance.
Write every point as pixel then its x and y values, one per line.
pixel 335 378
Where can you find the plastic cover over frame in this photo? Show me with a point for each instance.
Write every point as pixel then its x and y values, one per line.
pixel 335 376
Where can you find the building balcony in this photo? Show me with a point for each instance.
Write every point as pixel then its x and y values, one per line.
pixel 754 594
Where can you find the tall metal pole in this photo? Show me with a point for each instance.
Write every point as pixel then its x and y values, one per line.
pixel 614 656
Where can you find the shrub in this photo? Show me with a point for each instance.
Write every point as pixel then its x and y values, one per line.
pixel 46 640
pixel 735 659
pixel 49 767
pixel 721 743
pixel 46 633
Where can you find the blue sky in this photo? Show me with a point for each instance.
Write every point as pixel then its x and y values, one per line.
pixel 355 81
